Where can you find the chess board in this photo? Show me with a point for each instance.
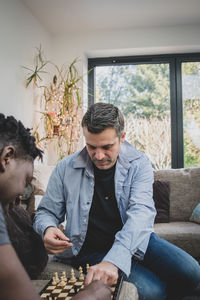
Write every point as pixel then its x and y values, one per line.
pixel 61 287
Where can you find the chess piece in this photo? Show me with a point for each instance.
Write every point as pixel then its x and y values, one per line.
pixel 62 282
pixel 75 289
pixel 87 267
pixel 73 278
pixel 56 277
pixel 81 277
pixel 64 276
pixel 54 281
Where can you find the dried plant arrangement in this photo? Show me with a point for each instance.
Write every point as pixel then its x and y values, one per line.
pixel 61 105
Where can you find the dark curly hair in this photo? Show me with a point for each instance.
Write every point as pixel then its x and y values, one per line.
pixel 101 116
pixel 13 132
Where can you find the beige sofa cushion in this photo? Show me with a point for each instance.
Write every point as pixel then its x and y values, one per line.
pixel 185 235
pixel 184 191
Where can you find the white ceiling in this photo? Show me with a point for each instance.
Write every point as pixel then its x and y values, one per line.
pixel 65 16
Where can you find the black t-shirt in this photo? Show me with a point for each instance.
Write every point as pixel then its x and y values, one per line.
pixel 104 217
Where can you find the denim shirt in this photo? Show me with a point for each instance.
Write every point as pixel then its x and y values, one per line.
pixel 70 192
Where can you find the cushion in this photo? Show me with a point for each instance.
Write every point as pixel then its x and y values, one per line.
pixel 185 235
pixel 195 217
pixel 161 193
pixel 184 191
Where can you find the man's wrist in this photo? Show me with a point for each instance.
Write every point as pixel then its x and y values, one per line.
pixel 46 229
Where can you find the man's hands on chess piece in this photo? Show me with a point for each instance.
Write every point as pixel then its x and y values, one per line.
pixel 104 271
pixel 55 241
pixel 96 290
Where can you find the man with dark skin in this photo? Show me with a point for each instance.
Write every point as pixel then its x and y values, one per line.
pixel 17 154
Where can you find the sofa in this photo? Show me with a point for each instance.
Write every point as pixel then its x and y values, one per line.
pixel 184 195
pixel 183 199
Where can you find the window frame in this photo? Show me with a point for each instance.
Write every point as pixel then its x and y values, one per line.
pixel 176 109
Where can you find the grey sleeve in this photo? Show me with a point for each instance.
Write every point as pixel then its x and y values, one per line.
pixel 4 239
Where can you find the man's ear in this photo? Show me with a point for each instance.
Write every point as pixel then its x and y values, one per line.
pixel 5 157
pixel 122 139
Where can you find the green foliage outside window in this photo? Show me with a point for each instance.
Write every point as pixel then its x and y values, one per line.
pixel 143 93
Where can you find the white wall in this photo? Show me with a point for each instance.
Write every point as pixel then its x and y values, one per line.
pixel 20 33
pixel 127 42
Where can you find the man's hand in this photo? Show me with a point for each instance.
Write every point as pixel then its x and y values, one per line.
pixel 96 290
pixel 104 271
pixel 55 241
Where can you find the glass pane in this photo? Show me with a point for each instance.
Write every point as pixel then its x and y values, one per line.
pixel 142 92
pixel 191 113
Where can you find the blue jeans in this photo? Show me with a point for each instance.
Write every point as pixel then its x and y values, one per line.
pixel 167 272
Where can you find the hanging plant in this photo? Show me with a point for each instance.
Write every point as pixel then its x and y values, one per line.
pixel 62 104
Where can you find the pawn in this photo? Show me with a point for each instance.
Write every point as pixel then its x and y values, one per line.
pixel 62 282
pixel 54 281
pixel 73 278
pixel 81 277
pixel 56 277
pixel 64 276
pixel 87 267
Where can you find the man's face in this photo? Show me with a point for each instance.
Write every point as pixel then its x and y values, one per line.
pixel 103 148
pixel 14 179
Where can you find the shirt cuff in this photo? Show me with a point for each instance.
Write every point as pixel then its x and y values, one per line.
pixel 41 228
pixel 121 257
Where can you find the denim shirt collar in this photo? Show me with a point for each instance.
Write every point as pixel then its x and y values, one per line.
pixel 82 160
pixel 126 155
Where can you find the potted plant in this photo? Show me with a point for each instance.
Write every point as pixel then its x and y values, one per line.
pixel 61 105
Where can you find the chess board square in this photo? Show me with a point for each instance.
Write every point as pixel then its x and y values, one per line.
pixel 44 295
pixel 79 283
pixel 56 291
pixel 69 286
pixel 51 287
pixel 62 295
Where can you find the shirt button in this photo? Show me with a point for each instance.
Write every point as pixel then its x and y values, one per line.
pixel 84 220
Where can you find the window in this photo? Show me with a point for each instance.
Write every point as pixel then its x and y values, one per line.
pixel 160 98
pixel 191 112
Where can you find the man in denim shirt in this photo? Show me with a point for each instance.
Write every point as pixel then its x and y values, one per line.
pixel 105 192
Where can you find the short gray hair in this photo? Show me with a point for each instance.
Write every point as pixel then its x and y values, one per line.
pixel 101 116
